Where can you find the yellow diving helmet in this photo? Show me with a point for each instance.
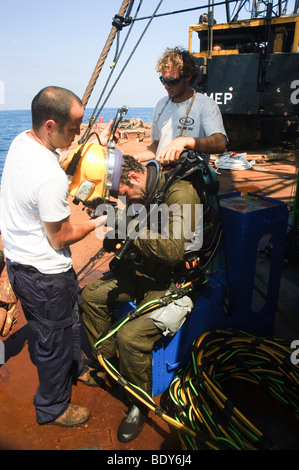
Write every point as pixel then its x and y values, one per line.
pixel 93 171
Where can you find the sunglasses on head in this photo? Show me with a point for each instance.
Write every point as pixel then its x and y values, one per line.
pixel 170 81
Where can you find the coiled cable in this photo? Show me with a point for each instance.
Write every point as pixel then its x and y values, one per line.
pixel 198 400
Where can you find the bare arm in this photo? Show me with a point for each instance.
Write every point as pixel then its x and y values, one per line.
pixel 64 233
pixel 214 143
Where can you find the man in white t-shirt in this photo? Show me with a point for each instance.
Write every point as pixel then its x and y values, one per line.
pixel 36 232
pixel 184 119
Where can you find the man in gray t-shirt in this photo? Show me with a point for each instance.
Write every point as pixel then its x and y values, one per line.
pixel 184 119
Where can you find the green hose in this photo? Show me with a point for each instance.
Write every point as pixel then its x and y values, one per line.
pixel 198 399
pixel 204 416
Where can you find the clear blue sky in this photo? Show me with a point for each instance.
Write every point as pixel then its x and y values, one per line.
pixel 59 43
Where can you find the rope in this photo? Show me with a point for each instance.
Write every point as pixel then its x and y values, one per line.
pixel 199 402
pixel 186 10
pixel 131 55
pixel 104 54
pixel 114 62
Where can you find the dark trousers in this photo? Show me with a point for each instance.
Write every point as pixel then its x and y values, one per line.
pixel 50 306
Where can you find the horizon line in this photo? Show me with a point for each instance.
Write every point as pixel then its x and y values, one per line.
pixel 111 107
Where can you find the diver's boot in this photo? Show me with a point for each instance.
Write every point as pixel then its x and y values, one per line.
pixel 132 424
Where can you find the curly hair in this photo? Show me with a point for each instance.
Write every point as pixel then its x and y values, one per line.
pixel 130 164
pixel 179 58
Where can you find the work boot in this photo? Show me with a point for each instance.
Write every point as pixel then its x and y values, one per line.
pixel 73 416
pixel 132 424
pixel 93 377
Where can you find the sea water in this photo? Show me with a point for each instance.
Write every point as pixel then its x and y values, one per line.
pixel 14 122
